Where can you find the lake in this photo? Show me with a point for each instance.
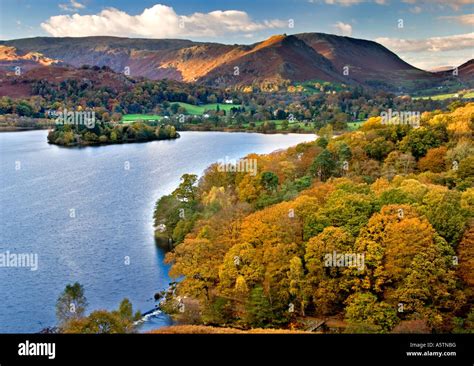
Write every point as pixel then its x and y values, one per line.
pixel 86 214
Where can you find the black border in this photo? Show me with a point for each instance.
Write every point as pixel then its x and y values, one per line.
pixel 223 349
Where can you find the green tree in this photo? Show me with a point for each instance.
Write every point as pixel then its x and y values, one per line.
pixel 364 308
pixel 420 140
pixel 187 190
pixel 349 210
pixel 443 210
pixel 379 148
pixel 324 165
pixel 259 309
pixel 322 142
pixel 344 152
pixel 71 304
pixel 269 181
pixel 297 283
pixel 466 168
pixel 105 322
pixel 327 283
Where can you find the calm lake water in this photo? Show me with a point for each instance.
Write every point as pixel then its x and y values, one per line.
pixel 42 186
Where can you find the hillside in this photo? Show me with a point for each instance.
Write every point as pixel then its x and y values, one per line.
pixel 29 60
pixel 465 71
pixel 279 59
pixel 23 85
pixel 274 61
pixel 354 228
pixel 368 61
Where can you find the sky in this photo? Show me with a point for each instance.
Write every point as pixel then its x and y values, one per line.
pixel 426 33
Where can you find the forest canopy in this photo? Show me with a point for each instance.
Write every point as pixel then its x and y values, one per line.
pixel 249 250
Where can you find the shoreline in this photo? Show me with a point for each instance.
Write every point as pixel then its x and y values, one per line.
pixel 99 144
pixel 22 129
pixel 175 324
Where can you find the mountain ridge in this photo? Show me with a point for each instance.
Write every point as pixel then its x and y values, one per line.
pixel 280 59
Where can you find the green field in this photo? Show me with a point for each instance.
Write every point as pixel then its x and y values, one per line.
pixel 354 125
pixel 447 96
pixel 190 109
pixel 278 124
pixel 127 118
pixel 201 109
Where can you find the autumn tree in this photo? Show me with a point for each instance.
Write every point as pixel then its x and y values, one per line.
pixel 195 260
pixel 398 163
pixel 408 263
pixel 434 160
pixel 249 188
pixel 465 252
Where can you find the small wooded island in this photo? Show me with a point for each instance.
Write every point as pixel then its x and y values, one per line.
pixel 104 134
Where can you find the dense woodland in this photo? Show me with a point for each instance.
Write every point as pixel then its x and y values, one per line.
pixel 247 251
pixel 317 103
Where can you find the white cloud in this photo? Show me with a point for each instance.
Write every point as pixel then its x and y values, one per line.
pixel 77 4
pixel 455 4
pixel 343 29
pixel 159 21
pixel 343 2
pixel 433 44
pixel 415 10
pixel 348 2
pixel 428 62
pixel 466 19
pixel 72 6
